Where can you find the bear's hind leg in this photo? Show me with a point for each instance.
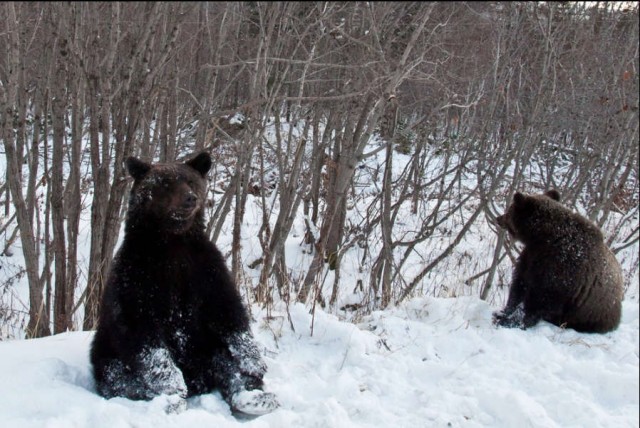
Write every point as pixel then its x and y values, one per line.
pixel 254 402
pixel 115 379
pixel 161 375
pixel 152 373
pixel 238 373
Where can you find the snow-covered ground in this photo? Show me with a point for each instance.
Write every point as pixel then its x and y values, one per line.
pixel 429 362
pixel 432 362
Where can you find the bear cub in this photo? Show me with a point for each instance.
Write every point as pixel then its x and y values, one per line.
pixel 565 274
pixel 171 320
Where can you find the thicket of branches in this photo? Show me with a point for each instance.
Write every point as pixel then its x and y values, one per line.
pixel 507 92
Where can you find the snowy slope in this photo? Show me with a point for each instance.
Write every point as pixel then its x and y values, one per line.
pixel 431 362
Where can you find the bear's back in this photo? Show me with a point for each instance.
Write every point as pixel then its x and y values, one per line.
pixel 597 304
pixel 570 275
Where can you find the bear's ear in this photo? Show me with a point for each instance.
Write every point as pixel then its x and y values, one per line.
pixel 201 163
pixel 137 168
pixel 553 194
pixel 519 198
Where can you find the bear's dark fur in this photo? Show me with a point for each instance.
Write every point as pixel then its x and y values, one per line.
pixel 566 274
pixel 171 320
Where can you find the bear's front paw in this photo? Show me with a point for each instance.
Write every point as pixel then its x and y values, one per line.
pixel 509 319
pixel 529 321
pixel 499 318
pixel 254 402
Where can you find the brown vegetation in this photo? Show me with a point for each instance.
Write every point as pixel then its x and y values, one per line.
pixel 502 91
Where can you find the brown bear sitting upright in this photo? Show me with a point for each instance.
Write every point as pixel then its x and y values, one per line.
pixel 565 275
pixel 172 322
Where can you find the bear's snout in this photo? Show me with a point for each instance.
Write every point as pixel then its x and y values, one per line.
pixel 504 222
pixel 190 201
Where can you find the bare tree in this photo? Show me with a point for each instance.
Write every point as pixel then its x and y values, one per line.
pixel 306 101
pixel 12 128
